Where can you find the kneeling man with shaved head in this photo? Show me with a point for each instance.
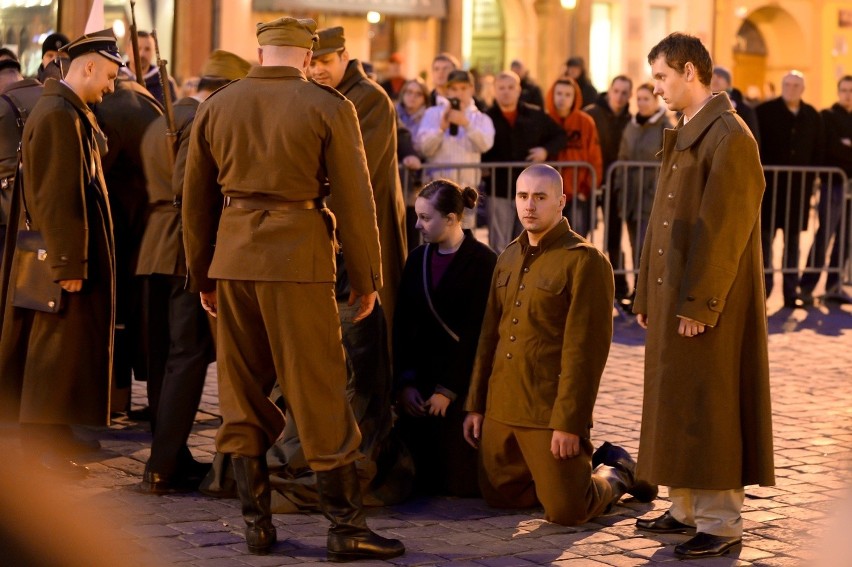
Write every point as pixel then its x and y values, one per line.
pixel 543 348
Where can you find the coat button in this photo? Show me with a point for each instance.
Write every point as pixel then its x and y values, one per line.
pixel 659 281
pixel 660 251
pixel 513 338
pixel 670 195
pixel 526 270
pixel 508 355
pixel 665 224
pixel 690 298
pixel 674 167
pixel 518 303
pixel 522 286
pixel 714 302
pixel 515 321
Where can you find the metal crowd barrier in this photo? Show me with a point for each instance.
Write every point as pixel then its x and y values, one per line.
pixel 823 194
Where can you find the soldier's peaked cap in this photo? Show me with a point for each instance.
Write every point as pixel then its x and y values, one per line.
pixel 101 42
pixel 226 65
pixel 288 31
pixel 331 40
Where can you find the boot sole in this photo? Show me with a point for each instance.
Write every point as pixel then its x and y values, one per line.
pixel 335 557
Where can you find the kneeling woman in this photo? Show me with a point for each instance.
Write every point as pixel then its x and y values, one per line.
pixel 439 313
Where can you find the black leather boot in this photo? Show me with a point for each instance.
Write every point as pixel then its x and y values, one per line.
pixel 252 479
pixel 349 538
pixel 618 457
pixel 619 480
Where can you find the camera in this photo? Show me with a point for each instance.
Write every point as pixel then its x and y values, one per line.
pixel 455 104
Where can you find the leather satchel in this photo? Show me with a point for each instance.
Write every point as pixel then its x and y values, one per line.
pixel 34 284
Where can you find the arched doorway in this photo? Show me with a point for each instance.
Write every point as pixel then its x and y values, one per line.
pixel 769 44
pixel 750 61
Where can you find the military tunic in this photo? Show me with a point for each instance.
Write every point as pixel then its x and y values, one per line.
pixel 706 418
pixel 56 368
pixel 275 268
pixel 544 344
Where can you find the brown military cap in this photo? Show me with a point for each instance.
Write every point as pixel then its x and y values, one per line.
pixel 288 31
pixel 101 42
pixel 331 40
pixel 226 65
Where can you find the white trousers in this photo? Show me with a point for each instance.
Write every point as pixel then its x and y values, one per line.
pixel 715 512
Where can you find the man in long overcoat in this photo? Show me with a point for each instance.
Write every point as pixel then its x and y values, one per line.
pixel 706 422
pixel 55 368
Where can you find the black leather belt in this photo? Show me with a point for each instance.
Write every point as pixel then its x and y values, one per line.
pixel 262 204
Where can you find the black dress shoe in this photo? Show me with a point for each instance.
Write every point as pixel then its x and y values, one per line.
pixel 665 524
pixel 62 466
pixel 706 545
pixel 156 483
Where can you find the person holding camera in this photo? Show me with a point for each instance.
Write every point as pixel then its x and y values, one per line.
pixel 455 131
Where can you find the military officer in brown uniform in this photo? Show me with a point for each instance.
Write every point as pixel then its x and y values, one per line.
pixel 180 344
pixel 706 418
pixel 365 343
pixel 265 264
pixel 332 66
pixel 55 368
pixel 544 344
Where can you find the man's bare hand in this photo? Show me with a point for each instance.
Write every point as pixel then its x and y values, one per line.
pixel 71 286
pixel 412 162
pixel 537 155
pixel 209 302
pixel 368 302
pixel 642 319
pixel 564 445
pixel 438 404
pixel 472 428
pixel 689 327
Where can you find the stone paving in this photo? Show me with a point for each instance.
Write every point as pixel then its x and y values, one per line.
pixel 811 369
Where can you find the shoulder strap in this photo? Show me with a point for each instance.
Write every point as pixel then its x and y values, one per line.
pixel 19 185
pixel 446 327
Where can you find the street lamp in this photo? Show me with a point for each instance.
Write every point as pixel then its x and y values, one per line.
pixel 568 4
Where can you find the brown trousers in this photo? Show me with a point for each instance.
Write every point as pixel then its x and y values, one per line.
pixel 289 332
pixel 519 471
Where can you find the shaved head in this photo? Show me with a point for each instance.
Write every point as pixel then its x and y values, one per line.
pixel 543 177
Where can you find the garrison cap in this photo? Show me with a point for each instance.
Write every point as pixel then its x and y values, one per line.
pixel 53 42
pixel 331 40
pixel 460 76
pixel 288 31
pixel 101 42
pixel 226 65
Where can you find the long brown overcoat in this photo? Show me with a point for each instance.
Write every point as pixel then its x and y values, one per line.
pixel 706 419
pixel 57 367
pixel 377 118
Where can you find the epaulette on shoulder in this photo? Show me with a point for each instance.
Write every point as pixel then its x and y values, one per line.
pixel 331 90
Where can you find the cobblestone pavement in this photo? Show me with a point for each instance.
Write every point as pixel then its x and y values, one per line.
pixel 811 369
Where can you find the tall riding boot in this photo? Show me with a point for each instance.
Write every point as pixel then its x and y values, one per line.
pixel 618 457
pixel 349 538
pixel 619 480
pixel 252 479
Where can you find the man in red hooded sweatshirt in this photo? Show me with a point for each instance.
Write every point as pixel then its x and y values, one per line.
pixel 563 104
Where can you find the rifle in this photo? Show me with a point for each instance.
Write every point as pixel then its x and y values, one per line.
pixel 171 128
pixel 134 43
